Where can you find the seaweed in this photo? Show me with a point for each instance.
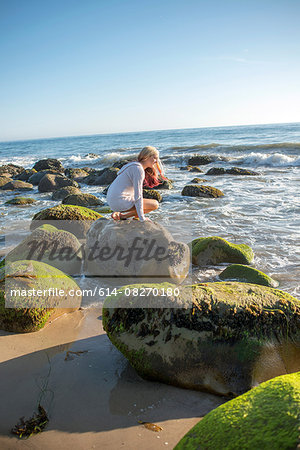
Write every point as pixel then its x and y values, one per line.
pixel 26 428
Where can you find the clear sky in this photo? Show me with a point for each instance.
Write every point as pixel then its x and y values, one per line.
pixel 72 67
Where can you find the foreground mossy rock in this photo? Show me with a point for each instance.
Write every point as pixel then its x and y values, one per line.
pixel 267 417
pixel 82 200
pixel 215 250
pixel 245 274
pixel 75 219
pixel 30 310
pixel 20 201
pixel 222 337
pixel 151 193
pixel 17 185
pixel 134 249
pixel 192 190
pixel 47 244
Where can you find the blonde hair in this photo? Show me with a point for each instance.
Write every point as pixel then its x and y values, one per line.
pixel 147 152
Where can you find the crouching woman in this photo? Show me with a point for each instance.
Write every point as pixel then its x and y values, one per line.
pixel 125 194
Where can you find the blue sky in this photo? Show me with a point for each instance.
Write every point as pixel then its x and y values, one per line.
pixel 74 67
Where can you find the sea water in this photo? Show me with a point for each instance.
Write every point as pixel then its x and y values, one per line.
pixel 261 211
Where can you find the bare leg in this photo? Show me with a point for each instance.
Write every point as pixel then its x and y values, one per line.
pixel 148 205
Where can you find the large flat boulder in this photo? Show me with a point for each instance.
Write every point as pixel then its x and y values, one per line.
pixel 132 249
pixel 221 337
pixel 267 417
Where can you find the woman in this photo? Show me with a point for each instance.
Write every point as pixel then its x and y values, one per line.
pixel 125 194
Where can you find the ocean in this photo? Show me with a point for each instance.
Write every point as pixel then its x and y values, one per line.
pixel 261 211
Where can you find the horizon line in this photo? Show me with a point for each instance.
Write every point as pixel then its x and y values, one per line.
pixel 143 131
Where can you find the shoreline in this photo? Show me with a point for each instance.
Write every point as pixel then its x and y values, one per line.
pixel 94 399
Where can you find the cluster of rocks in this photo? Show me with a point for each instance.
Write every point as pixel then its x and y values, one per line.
pixel 49 175
pixel 222 336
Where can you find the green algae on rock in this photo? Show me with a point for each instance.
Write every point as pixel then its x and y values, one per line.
pixel 75 219
pixel 21 201
pixel 31 292
pixel 267 417
pixel 245 274
pixel 81 199
pixel 153 194
pixel 193 190
pixel 216 250
pixel 230 337
pixel 58 248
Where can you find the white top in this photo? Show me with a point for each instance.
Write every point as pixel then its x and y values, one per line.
pixel 127 189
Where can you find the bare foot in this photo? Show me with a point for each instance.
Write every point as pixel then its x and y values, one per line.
pixel 116 215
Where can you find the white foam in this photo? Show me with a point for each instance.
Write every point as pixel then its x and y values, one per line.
pixel 267 159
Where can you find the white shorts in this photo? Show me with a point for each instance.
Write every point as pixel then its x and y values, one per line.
pixel 120 203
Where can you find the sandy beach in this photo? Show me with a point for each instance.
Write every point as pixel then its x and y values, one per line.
pixel 94 399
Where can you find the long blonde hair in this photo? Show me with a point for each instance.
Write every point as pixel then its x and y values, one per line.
pixel 146 153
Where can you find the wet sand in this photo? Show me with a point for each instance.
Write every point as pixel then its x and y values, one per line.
pixel 94 399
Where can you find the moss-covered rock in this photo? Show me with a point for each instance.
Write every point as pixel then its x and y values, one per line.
pixel 222 337
pixel 47 244
pixel 151 193
pixel 246 274
pixel 75 219
pixel 18 280
pixel 193 190
pixel 82 200
pixel 21 201
pixel 267 417
pixel 215 250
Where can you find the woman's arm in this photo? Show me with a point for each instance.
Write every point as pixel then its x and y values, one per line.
pixel 137 176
